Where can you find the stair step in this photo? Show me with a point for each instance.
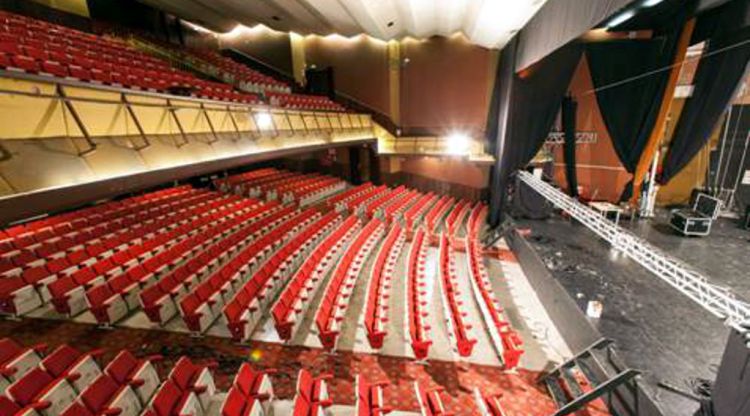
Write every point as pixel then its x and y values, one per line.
pixel 557 393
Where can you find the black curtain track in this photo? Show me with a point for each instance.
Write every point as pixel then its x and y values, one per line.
pixel 721 69
pixel 568 116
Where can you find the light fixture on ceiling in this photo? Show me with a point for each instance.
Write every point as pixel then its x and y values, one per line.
pixel 649 3
pixel 620 18
pixel 263 120
pixel 457 143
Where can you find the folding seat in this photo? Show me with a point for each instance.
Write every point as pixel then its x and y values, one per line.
pixel 195 378
pixel 77 409
pixel 16 361
pixel 79 73
pixel 107 305
pixel 10 408
pixel 24 258
pixel 237 404
pixel 170 401
pixel 17 297
pixel 54 68
pixel 158 306
pixel 9 48
pixel 37 54
pixel 38 386
pixel 253 383
pixel 139 374
pixel 68 296
pixel 39 277
pixel 66 361
pixel 99 76
pixel 127 288
pixel 313 389
pixel 106 396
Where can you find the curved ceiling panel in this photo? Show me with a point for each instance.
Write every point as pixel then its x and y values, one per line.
pixel 488 23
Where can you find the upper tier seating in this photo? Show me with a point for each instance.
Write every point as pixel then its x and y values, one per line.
pixel 341 284
pixel 417 300
pixel 38 47
pixel 416 212
pixel 430 402
pixel 303 102
pixel 232 182
pixel 457 326
pixel 296 296
pixel 369 400
pixel 376 306
pixel 242 75
pixel 502 335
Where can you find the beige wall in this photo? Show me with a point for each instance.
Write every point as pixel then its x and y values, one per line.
pixel 266 45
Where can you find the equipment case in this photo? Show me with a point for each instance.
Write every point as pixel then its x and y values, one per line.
pixel 697 220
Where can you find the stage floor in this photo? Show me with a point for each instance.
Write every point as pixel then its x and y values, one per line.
pixel 657 329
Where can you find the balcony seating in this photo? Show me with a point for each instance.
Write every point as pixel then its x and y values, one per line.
pixel 295 298
pixel 303 102
pixel 341 284
pixel 456 217
pixel 376 306
pixel 488 404
pixel 476 220
pixel 416 212
pixel 229 183
pixel 434 216
pixel 430 401
pixel 245 309
pixel 311 393
pixel 369 400
pixel 25 46
pixel 417 300
pixel 339 199
pixel 457 326
pixel 506 341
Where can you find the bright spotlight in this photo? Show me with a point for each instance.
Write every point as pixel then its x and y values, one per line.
pixel 263 120
pixel 620 18
pixel 457 143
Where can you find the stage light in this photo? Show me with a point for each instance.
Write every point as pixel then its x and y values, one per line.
pixel 620 18
pixel 457 143
pixel 263 120
pixel 649 3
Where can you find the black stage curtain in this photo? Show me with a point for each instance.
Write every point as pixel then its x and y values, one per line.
pixel 569 109
pixel 719 73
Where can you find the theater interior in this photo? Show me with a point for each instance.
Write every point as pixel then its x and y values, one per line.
pixel 360 207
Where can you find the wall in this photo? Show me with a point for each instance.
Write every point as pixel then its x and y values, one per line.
pixel 445 85
pixel 457 177
pixel 78 7
pixel 263 44
pixel 360 67
pixel 600 174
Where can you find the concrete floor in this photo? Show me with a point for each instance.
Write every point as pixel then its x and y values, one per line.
pixel 656 328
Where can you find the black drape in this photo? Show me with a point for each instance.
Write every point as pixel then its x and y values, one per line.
pixel 568 116
pixel 721 69
pixel 527 106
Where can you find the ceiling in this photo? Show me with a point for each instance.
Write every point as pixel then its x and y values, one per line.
pixel 488 23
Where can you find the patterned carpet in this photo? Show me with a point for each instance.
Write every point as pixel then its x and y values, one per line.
pixel 522 396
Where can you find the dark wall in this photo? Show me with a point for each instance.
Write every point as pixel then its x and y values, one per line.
pixel 271 48
pixel 42 12
pixel 731 394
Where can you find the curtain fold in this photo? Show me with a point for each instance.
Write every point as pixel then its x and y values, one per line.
pixel 720 71
pixel 569 109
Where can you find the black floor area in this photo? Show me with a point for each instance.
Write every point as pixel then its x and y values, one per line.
pixel 657 329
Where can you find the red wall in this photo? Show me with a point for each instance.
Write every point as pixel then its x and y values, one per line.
pixel 445 84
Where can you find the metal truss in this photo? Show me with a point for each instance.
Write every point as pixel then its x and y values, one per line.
pixel 718 300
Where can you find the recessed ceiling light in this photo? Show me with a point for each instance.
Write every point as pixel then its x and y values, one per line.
pixel 620 18
pixel 390 24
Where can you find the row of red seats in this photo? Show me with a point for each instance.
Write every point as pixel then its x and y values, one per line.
pixel 256 186
pixel 239 73
pixel 350 193
pixel 158 239
pixel 434 216
pixel 68 291
pixel 341 284
pixel 415 213
pixel 160 301
pixel 112 300
pixel 280 186
pixel 456 217
pixel 26 243
pixel 460 330
pixel 499 328
pixel 384 200
pixel 247 306
pixel 476 220
pixel 363 198
pixel 430 401
pixel 489 404
pixel 96 59
pixel 296 296
pixel 35 285
pixel 250 394
pixel 370 401
pixel 303 102
pixel 317 191
pixel 417 300
pixel 396 209
pixel 201 307
pixel 311 394
pixel 376 306
pixel 227 184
